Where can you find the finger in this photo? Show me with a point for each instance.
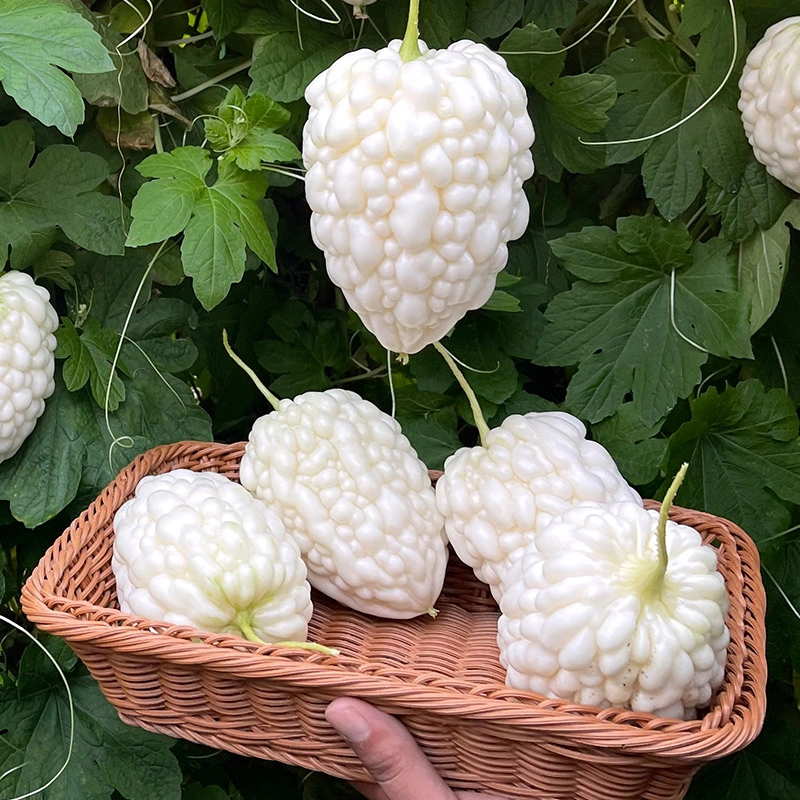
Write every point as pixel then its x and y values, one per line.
pixel 388 751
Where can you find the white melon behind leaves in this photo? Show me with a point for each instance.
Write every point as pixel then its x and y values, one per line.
pixel 495 498
pixel 27 343
pixel 769 99
pixel 195 548
pixel 351 489
pixel 580 622
pixel 414 177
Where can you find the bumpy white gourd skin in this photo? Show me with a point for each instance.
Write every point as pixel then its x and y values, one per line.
pixel 352 491
pixel 195 548
pixel 414 177
pixel 495 498
pixel 770 98
pixel 27 325
pixel 577 625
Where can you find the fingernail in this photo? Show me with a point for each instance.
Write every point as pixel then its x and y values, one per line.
pixel 350 724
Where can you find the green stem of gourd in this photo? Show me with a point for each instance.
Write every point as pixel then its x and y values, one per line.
pixel 480 422
pixel 663 516
pixel 274 402
pixel 409 49
pixel 651 580
pixel 247 631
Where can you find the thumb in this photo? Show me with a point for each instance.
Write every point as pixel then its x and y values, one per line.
pixel 388 751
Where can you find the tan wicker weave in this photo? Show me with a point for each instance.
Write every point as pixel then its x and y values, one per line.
pixel 442 676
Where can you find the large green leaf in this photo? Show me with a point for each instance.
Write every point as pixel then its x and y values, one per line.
pixel 636 448
pixel 756 201
pixel 566 111
pixel 36 38
pixel 616 322
pixel 744 457
pixel 55 192
pixel 306 349
pixel 107 754
pixel 217 220
pixel 282 68
pixel 74 451
pixel 490 18
pixel 657 89
pixel 124 85
pixel 762 265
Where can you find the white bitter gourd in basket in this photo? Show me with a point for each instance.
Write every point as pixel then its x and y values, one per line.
pixel 351 489
pixel 769 99
pixel 27 343
pixel 195 548
pixel 606 608
pixel 496 495
pixel 415 166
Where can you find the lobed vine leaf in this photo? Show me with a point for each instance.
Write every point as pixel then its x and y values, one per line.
pixel 762 266
pixel 55 192
pixel 282 69
pixel 217 220
pixel 67 455
pixel 108 756
pixel 744 456
pixel 615 321
pixel 36 38
pixel 657 89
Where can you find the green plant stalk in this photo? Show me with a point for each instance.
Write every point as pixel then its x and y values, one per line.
pixel 273 401
pixel 654 582
pixel 409 49
pixel 247 631
pixel 480 422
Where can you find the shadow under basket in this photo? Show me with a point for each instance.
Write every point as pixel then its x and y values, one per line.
pixel 441 676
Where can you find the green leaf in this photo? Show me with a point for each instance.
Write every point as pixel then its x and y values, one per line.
pixel 243 130
pixel 502 301
pixel 433 435
pixel 758 200
pixel 615 321
pixel 443 22
pixel 538 69
pixel 282 71
pixel 657 89
pixel 124 85
pixel 490 18
pixel 55 192
pixel 550 13
pixel 566 114
pixel 724 149
pixel 90 355
pixel 217 220
pixel 305 350
pixel 67 455
pixel 631 444
pixel 522 402
pixel 744 457
pixel 762 266
pixel 54 266
pixel 581 101
pixel 107 755
pixel 224 16
pixel 36 38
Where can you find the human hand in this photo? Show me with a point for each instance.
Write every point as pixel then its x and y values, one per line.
pixel 388 751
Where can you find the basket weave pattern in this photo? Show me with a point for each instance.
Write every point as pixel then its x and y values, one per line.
pixel 442 676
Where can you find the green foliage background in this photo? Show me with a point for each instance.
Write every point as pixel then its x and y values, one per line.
pixel 155 168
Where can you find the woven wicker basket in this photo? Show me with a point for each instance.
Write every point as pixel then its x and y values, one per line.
pixel 441 676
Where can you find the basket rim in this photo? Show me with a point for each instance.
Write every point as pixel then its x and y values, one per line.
pixel 403 690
